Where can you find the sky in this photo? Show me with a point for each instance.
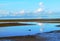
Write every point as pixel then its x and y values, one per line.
pixel 28 6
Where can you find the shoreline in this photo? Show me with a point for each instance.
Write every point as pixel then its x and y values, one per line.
pixel 52 36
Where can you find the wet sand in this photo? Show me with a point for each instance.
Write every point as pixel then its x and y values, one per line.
pixel 18 38
pixel 37 37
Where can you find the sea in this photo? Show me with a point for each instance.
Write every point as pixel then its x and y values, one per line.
pixel 24 30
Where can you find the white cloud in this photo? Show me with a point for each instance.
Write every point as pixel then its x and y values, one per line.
pixel 18 13
pixel 22 12
pixel 39 10
pixel 4 12
pixel 41 4
pixel 13 14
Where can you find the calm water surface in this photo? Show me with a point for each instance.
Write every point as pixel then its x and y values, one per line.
pixel 24 30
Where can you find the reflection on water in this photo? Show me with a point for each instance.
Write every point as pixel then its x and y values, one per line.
pixel 27 30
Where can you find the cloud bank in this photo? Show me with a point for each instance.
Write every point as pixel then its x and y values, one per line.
pixel 26 13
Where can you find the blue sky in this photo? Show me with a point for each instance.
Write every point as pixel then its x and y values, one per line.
pixel 29 5
pixel 22 6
